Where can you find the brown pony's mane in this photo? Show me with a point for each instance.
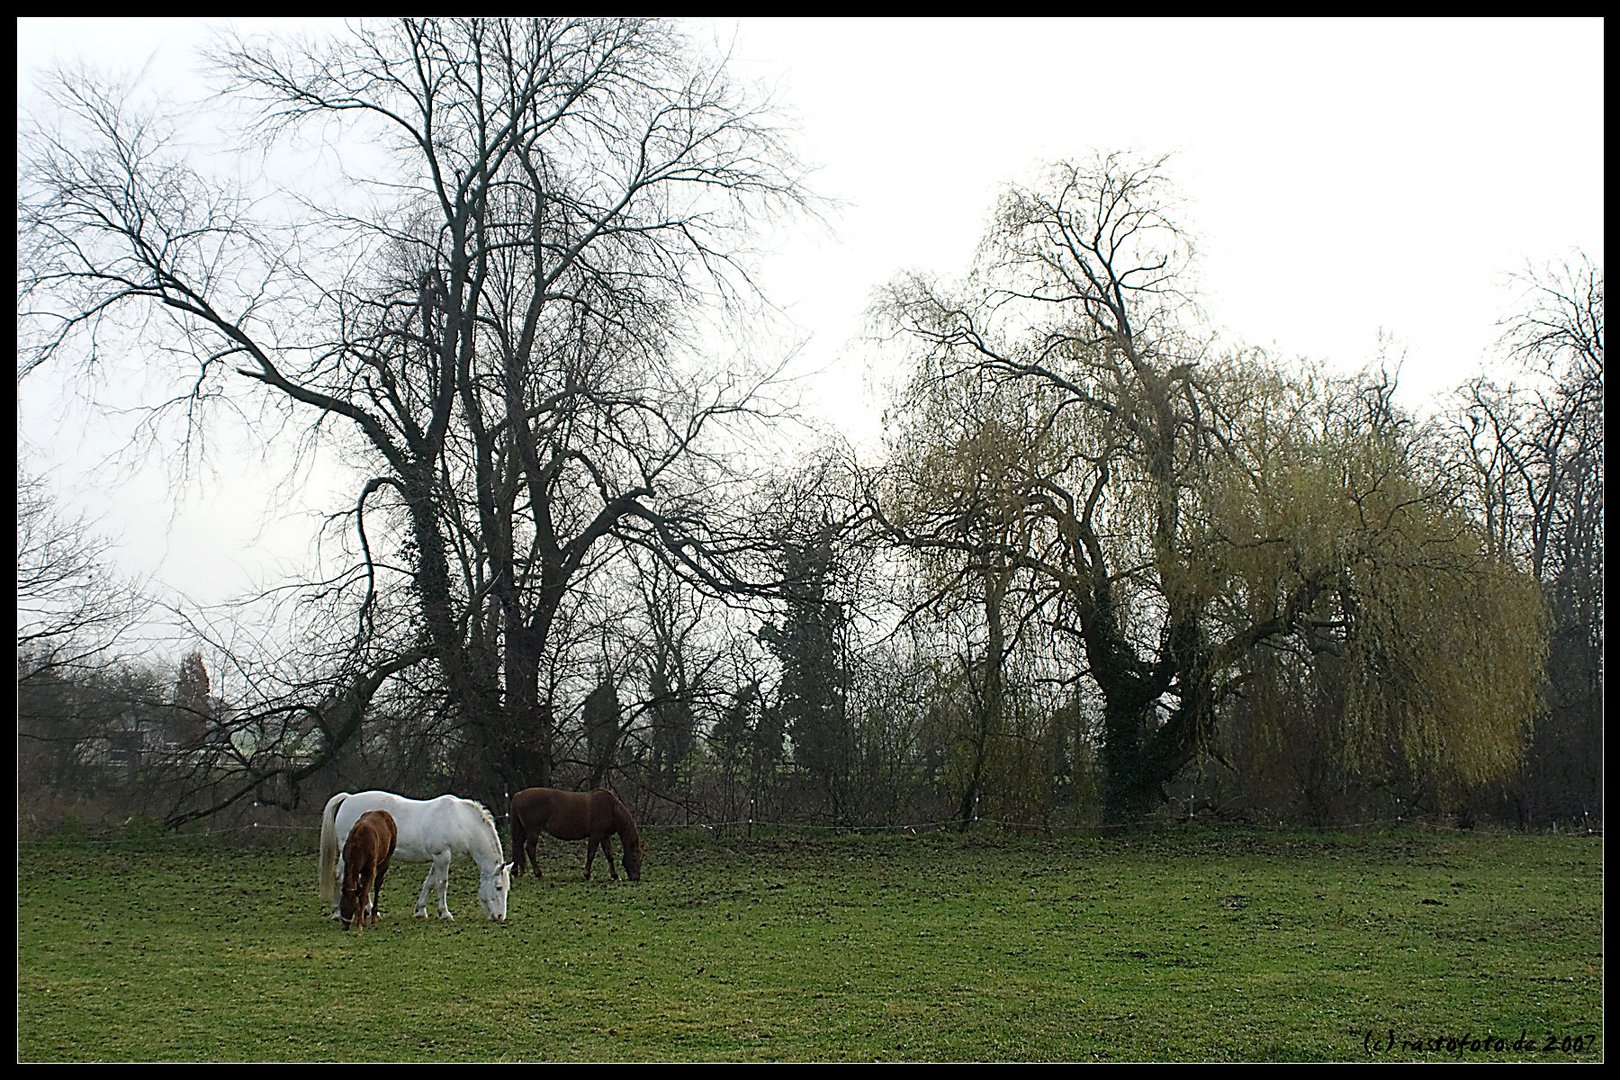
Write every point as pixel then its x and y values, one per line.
pixel 366 852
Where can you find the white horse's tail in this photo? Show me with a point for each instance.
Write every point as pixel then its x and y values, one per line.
pixel 329 850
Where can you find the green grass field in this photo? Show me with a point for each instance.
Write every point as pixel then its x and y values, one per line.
pixel 1187 946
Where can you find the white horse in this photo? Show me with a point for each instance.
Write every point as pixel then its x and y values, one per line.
pixel 430 830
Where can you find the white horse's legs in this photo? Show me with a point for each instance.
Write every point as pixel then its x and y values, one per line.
pixel 437 880
pixel 421 899
pixel 337 915
pixel 441 865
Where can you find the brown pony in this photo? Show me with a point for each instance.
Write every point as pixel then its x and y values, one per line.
pixel 574 815
pixel 365 860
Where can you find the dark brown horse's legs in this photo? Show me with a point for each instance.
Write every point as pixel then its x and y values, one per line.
pixel 594 817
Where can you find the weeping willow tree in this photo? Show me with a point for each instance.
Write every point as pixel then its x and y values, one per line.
pixel 1193 511
pixel 953 499
pixel 1414 659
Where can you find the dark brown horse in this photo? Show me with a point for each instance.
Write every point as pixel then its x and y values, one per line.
pixel 365 860
pixel 574 815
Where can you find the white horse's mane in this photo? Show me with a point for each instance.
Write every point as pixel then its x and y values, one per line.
pixel 489 819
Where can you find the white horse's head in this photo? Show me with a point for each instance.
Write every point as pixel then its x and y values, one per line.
pixel 493 889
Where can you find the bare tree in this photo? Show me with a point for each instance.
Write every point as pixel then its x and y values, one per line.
pixel 1530 450
pixel 74 611
pixel 500 336
pixel 677 665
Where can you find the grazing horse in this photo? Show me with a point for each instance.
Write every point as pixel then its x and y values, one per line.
pixel 365 861
pixel 574 815
pixel 430 830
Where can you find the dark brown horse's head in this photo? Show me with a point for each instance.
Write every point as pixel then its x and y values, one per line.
pixel 632 861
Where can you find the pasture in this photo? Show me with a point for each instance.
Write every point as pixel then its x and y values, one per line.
pixel 1183 946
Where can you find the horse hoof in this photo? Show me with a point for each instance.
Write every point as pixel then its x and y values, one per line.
pixel 447 917
pixel 421 913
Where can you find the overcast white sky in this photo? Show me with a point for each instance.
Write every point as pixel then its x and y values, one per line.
pixel 1341 178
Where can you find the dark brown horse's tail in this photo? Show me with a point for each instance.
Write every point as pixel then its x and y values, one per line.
pixel 519 838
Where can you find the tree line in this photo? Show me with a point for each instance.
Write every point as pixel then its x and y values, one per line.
pixel 1105 569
